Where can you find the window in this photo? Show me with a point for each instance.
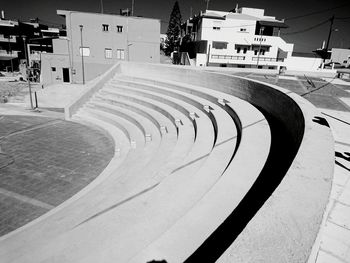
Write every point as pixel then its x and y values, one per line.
pixel 238 50
pixel 84 51
pixel 219 45
pixel 119 29
pixel 255 52
pixel 216 28
pixel 53 69
pixel 105 27
pixel 245 50
pixel 120 54
pixel 108 53
pixel 243 30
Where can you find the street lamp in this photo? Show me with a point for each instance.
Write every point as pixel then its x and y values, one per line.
pixel 27 71
pixel 82 52
pixel 260 33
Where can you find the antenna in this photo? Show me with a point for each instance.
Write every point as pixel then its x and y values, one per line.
pixel 132 7
pixel 207 4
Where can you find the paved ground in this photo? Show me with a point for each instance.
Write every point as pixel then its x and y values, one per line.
pixel 326 94
pixel 43 162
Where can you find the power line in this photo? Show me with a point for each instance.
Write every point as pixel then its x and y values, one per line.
pixel 307 29
pixel 317 12
pixel 342 18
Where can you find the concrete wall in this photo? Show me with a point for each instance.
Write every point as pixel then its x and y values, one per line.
pixel 340 55
pixel 52 67
pixel 303 63
pixel 91 89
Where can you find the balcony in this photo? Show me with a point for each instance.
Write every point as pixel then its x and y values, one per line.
pixel 6 55
pixel 268 59
pixel 228 57
pixel 11 39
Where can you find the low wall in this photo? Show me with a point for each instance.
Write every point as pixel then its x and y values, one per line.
pixel 303 63
pixel 285 227
pixel 91 88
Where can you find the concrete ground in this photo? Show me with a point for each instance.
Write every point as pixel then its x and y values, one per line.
pixel 43 162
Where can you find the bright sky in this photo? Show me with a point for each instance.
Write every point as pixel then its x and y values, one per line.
pixel 161 9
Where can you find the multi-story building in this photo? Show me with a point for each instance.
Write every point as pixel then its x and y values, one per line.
pixel 8 45
pixel 95 42
pixel 243 37
pixel 17 37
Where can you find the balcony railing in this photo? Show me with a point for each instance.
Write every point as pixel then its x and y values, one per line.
pixel 228 57
pixel 11 39
pixel 6 54
pixel 268 59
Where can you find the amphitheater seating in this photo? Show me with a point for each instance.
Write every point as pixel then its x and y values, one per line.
pixel 201 160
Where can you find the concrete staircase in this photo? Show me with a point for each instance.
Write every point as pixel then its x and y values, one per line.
pixel 200 163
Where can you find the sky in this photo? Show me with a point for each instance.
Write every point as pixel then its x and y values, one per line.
pixel 161 9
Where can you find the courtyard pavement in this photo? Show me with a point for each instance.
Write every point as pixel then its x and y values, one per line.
pixel 43 162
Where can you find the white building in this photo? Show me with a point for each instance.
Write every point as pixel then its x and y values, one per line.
pixel 243 37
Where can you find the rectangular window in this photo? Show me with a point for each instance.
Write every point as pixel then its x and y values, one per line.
pixel 108 53
pixel 216 28
pixel 53 69
pixel 105 27
pixel 245 50
pixel 120 29
pixel 219 45
pixel 238 50
pixel 84 51
pixel 120 54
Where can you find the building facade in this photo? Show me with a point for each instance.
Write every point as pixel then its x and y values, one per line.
pixel 18 38
pixel 341 55
pixel 243 37
pixel 95 42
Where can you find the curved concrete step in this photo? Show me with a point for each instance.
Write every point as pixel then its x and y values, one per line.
pixel 185 126
pixel 217 115
pixel 204 139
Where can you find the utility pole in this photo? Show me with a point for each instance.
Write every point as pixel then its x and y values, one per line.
pixel 261 31
pixel 27 71
pixel 82 52
pixel 330 32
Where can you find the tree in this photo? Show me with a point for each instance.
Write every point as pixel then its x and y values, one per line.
pixel 174 29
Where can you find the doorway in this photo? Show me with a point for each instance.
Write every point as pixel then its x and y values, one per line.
pixel 65 72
